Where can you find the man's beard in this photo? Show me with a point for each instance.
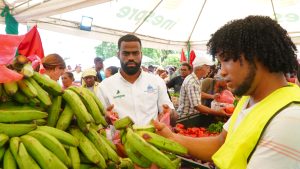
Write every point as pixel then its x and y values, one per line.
pixel 129 69
pixel 246 84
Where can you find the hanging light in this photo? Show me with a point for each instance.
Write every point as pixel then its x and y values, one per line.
pixel 86 23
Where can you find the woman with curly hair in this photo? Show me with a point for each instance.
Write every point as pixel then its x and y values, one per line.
pixel 255 53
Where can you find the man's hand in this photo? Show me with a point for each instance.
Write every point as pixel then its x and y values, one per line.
pixel 222 112
pixel 216 96
pixel 111 116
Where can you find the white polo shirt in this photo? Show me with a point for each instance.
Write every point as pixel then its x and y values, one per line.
pixel 141 101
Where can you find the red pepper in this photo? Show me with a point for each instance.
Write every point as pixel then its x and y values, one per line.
pixel 229 110
pixel 179 125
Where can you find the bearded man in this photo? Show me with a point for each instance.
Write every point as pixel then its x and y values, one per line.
pixel 132 92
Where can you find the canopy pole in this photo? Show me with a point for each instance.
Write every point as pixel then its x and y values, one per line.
pixel 147 16
pixel 196 22
pixel 274 10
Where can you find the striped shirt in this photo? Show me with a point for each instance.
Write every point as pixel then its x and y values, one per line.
pixel 190 95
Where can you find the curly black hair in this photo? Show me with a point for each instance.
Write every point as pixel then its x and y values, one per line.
pixel 257 37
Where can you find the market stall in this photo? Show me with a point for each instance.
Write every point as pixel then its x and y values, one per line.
pixel 44 126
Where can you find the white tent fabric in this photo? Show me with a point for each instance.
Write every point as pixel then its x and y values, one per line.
pixel 166 24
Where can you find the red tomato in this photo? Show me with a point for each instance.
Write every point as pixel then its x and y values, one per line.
pixel 229 110
pixel 179 125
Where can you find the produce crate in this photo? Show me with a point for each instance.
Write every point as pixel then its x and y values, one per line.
pixel 190 164
pixel 197 120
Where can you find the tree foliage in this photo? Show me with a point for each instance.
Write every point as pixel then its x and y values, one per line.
pixel 172 60
pixel 108 49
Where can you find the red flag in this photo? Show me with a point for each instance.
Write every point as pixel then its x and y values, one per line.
pixel 192 56
pixel 32 45
pixel 182 58
pixel 32 48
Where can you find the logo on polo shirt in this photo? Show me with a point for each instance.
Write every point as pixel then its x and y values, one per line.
pixel 118 95
pixel 150 89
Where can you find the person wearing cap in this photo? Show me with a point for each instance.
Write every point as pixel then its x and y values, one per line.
pixel 99 69
pixel 190 92
pixel 89 79
pixel 135 93
pixel 162 73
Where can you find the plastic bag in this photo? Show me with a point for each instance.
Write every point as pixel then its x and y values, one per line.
pixel 218 105
pixel 165 118
pixel 8 75
pixel 225 97
pixel 9 45
pixel 8 49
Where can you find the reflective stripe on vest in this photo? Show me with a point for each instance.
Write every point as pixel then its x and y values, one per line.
pixel 240 142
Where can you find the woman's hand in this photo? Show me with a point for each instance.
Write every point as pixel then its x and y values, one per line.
pixel 163 130
pixel 166 109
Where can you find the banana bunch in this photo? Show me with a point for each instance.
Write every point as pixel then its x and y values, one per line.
pixel 144 147
pixel 51 148
pixel 41 93
pixel 42 126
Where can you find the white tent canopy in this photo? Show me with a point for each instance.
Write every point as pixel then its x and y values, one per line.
pixel 166 24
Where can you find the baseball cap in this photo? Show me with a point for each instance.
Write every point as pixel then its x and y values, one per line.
pixel 89 72
pixel 200 61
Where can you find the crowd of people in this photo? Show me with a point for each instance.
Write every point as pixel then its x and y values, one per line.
pixel 254 56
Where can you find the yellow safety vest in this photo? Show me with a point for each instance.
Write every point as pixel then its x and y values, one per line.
pixel 241 142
